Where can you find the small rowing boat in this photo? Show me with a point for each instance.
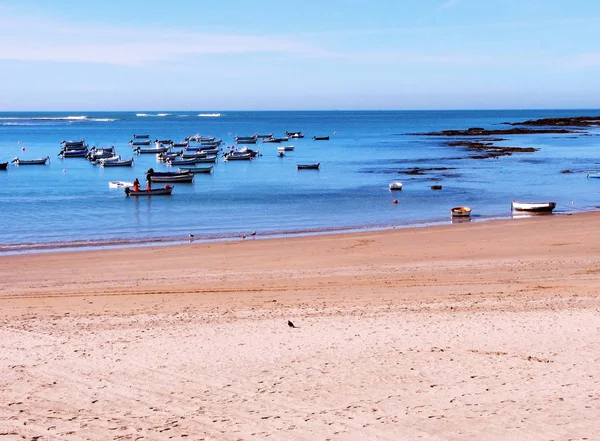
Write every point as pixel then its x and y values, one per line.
pixel 314 166
pixel 196 169
pixel 533 207
pixel 460 211
pixel 119 184
pixel 321 138
pixel 164 191
pixel 38 161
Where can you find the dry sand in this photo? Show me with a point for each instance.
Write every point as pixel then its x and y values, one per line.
pixel 477 331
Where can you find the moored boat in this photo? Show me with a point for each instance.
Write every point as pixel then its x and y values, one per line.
pixel 460 211
pixel 314 166
pixel 116 163
pixel 285 148
pixel 321 138
pixel 196 169
pixel 593 175
pixel 171 177
pixel 119 184
pixel 140 150
pixel 79 153
pixel 164 191
pixel 533 207
pixel 3 165
pixel 140 136
pixel 38 161
pixel 395 186
pixel 140 142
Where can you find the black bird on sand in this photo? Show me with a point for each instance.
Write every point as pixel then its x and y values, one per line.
pixel 290 324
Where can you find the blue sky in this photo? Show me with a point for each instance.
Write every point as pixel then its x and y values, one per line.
pixel 278 55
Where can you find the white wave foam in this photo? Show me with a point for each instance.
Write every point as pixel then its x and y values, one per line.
pixel 209 115
pixel 153 114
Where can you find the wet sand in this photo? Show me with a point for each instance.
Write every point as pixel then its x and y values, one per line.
pixel 481 330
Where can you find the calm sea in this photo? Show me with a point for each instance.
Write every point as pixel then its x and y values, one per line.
pixel 68 203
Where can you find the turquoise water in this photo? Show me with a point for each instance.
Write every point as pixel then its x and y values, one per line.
pixel 69 203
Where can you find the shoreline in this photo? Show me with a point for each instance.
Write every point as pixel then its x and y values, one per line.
pixel 480 330
pixel 90 245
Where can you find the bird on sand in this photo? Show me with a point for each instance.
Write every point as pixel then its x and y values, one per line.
pixel 290 324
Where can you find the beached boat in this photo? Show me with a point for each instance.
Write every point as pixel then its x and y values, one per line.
pixel 116 163
pixel 196 169
pixel 395 186
pixel 119 184
pixel 285 148
pixel 460 211
pixel 321 138
pixel 171 177
pixel 38 161
pixel 533 207
pixel 593 175
pixel 314 166
pixel 164 191
pixel 4 165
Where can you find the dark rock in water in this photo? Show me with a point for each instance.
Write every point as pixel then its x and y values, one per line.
pixel 489 150
pixel 566 171
pixel 573 121
pixel 421 171
pixel 476 131
pixel 436 187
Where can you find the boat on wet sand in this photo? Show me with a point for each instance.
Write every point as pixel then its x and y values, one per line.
pixel 533 207
pixel 460 211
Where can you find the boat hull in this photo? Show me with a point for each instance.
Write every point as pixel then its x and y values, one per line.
pixel 309 166
pixel 196 169
pixel 533 207
pixel 165 191
pixel 460 212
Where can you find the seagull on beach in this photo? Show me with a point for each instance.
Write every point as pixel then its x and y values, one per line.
pixel 290 324
pixel 191 236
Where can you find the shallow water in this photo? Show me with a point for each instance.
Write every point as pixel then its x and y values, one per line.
pixel 68 203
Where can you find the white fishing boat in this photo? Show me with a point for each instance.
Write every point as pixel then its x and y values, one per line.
pixel 285 148
pixel 533 207
pixel 396 186
pixel 120 184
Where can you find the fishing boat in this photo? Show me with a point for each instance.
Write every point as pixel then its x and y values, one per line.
pixel 171 177
pixel 314 166
pixel 119 184
pixel 38 161
pixel 179 144
pixel 147 150
pixel 140 136
pixel 74 145
pixel 460 211
pixel 196 169
pixel 164 191
pixel 180 161
pixel 237 156
pixel 3 165
pixel 533 207
pixel 139 142
pixel 285 148
pixel 206 159
pixel 276 140
pixel 116 163
pixel 321 138
pixel 396 186
pixel 294 134
pixel 80 153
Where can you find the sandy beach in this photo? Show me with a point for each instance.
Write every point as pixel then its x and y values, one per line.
pixel 472 331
